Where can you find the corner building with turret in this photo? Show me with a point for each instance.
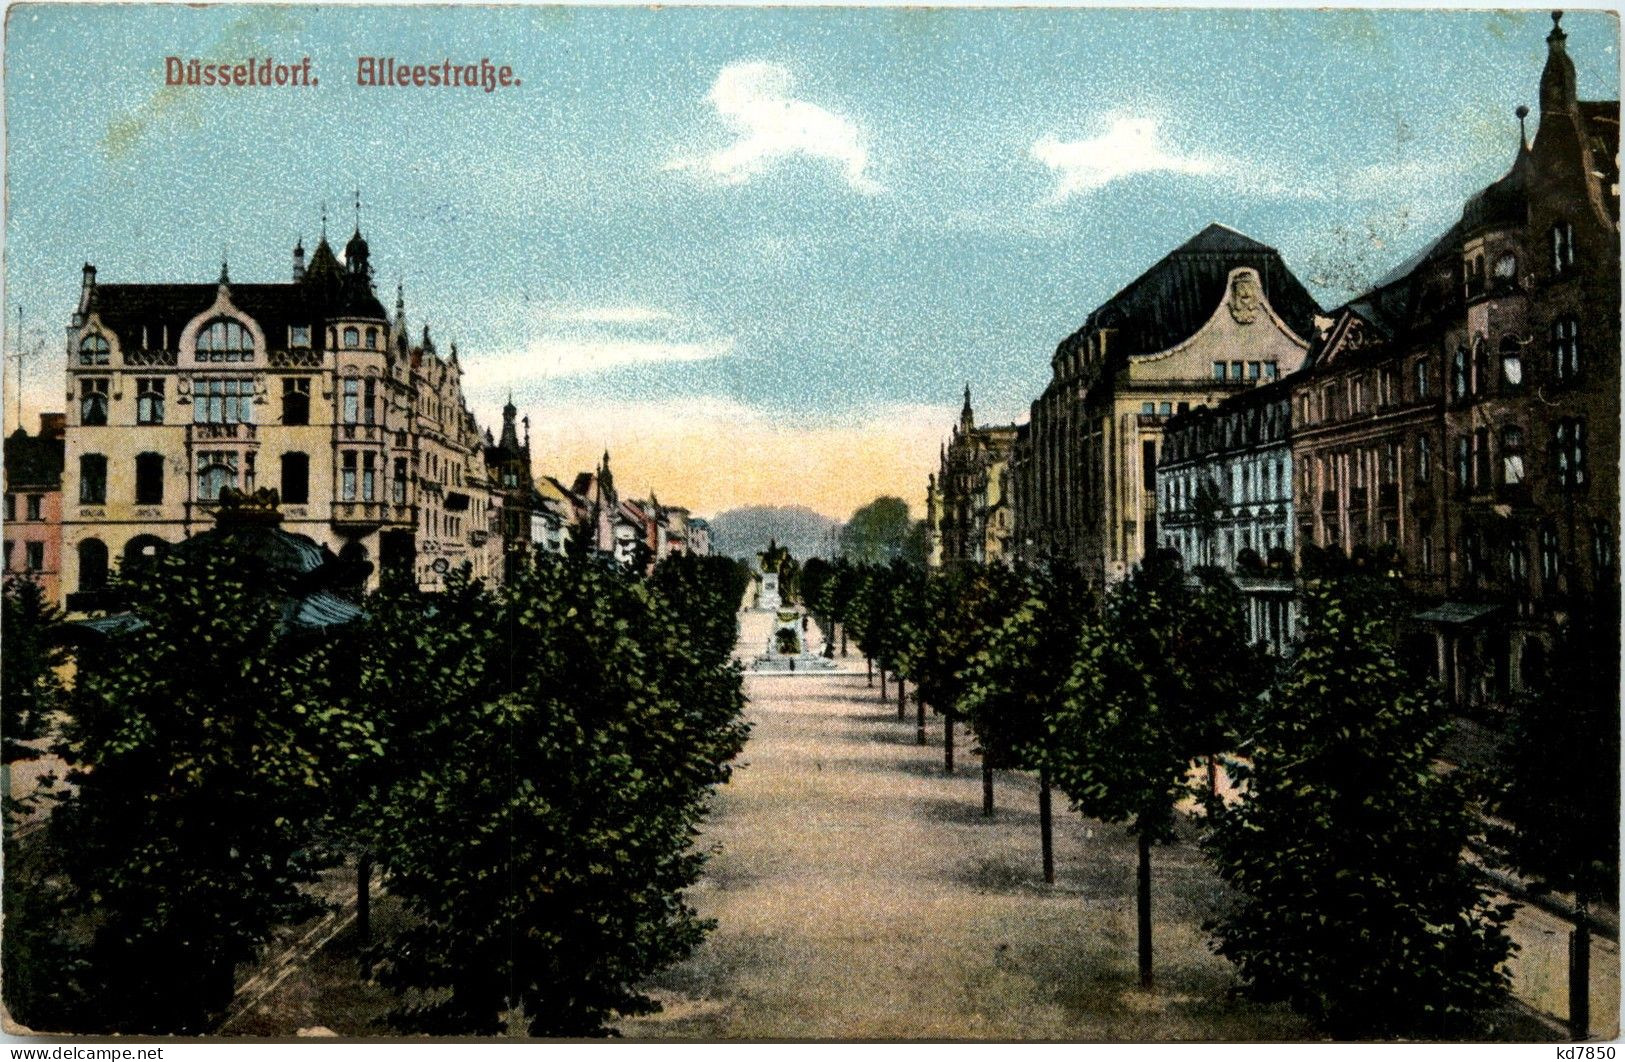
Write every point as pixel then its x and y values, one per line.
pixel 177 392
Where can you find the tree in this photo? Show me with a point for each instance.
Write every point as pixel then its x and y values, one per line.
pixel 962 605
pixel 544 852
pixel 203 740
pixel 30 690
pixel 1562 771
pixel 1014 682
pixel 1355 905
pixel 1156 682
pixel 877 533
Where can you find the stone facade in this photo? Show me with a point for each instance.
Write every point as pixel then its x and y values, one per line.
pixel 1215 317
pixel 178 391
pixel 969 515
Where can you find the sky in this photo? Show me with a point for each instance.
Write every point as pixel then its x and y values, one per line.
pixel 755 253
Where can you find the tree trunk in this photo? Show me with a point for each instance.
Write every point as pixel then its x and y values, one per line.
pixel 1145 910
pixel 987 787
pixel 869 662
pixel 1044 826
pixel 883 684
pixel 1213 774
pixel 1580 971
pixel 919 720
pixel 843 639
pixel 948 743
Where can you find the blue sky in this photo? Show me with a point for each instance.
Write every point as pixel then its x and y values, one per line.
pixel 794 232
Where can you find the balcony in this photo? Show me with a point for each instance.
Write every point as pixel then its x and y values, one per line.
pixel 305 358
pixel 144 358
pixel 369 514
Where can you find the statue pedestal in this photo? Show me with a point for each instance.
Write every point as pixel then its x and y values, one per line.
pixel 768 600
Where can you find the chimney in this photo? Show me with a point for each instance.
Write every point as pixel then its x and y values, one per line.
pixel 87 291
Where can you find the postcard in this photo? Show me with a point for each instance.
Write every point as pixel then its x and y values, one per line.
pixel 811 523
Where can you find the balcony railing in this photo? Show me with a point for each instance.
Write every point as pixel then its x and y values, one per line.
pixel 306 358
pixel 151 357
pixel 224 431
pixel 370 513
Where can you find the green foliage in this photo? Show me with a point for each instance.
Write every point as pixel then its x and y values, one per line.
pixel 877 533
pixel 1355 905
pixel 963 606
pixel 1562 759
pixel 202 746
pixel 704 593
pixel 1014 681
pixel 544 850
pixel 30 690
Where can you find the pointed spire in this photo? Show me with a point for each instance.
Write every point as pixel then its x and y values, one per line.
pixel 400 300
pixel 1557 79
pixel 225 274
pixel 324 221
pixel 1523 131
pixel 358 210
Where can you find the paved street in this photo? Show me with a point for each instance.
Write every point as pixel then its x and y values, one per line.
pixel 859 892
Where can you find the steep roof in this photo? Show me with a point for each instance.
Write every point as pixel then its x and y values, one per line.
pixel 1170 301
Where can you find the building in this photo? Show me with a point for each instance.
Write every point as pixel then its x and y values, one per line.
pixel 1224 499
pixel 699 536
pixel 968 509
pixel 1467 409
pixel 33 525
pixel 1216 316
pixel 179 391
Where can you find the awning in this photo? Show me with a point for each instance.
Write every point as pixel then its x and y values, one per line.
pixel 1456 613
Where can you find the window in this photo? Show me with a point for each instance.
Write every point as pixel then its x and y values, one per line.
pixel 1506 269
pixel 352 401
pixel 1424 459
pixel 221 401
pixel 225 340
pixel 92 564
pixel 35 503
pixel 1562 248
pixel 1512 456
pixel 295 489
pixel 369 477
pixel 1551 560
pixel 1425 531
pixel 1566 349
pixel 216 470
pixel 34 556
pixel 296 400
pixel 1390 463
pixel 1218 370
pixel 93 350
pixel 1421 377
pixel 398 485
pixel 1464 463
pixel 1458 374
pixel 1518 563
pixel 1271 370
pixel 1511 363
pixel 352 338
pixel 1568 447
pixel 299 336
pixel 369 403
pixel 1481 459
pixel 92 479
pixel 347 466
pixel 93 401
pixel 11 507
pixel 149 479
pixel 1255 370
pixel 1235 370
pixel 1602 554
pixel 1166 409
pixel 149 401
pixel 372 339
pixel 1148 408
pixel 1481 366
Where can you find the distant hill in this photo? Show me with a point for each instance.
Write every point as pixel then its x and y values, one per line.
pixel 746 532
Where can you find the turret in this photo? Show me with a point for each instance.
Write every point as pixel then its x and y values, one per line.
pixel 299 260
pixel 1557 91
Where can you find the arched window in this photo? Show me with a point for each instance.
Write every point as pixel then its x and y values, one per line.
pixel 1424 458
pixel 1481 366
pixel 1511 363
pixel 352 337
pixel 1421 378
pixel 1458 374
pixel 93 350
pixel 216 471
pixel 1562 248
pixel 142 549
pixel 225 340
pixel 372 339
pixel 92 564
pixel 149 479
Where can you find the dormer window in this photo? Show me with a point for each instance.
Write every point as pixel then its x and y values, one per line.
pixel 299 337
pixel 352 338
pixel 93 350
pixel 225 340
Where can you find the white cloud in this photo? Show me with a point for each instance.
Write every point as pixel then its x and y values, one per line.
pixel 1129 146
pixel 753 99
pixel 556 356
pixel 615 315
